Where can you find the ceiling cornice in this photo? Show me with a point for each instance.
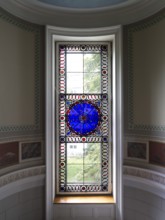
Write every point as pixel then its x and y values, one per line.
pixel 40 13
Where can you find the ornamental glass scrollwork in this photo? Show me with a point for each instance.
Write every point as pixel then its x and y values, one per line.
pixel 84 121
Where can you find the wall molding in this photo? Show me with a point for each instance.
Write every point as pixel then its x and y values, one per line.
pixel 21 180
pixel 143 179
pixel 21 174
pixel 147 180
pixel 25 137
pixel 152 176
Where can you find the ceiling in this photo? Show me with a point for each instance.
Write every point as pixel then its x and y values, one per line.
pixel 82 13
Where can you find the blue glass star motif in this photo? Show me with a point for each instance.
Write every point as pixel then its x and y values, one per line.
pixel 83 118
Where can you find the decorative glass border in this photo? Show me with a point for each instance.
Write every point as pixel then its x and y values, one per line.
pixel 100 135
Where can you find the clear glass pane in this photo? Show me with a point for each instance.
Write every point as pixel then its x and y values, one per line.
pixel 74 82
pixel 92 62
pixel 74 63
pixel 74 173
pixel 92 153
pixel 75 153
pixel 92 173
pixel 92 83
pixel 92 73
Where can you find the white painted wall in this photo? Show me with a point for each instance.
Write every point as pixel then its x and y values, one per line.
pixel 148 75
pixel 84 212
pixel 22 197
pixel 22 194
pixel 142 205
pixel 24 205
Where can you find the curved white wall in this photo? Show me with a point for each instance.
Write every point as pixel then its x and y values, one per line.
pixel 22 194
pixel 144 196
pixel 21 94
pixel 144 81
pixel 143 205
pixel 22 184
pixel 144 179
pixel 24 198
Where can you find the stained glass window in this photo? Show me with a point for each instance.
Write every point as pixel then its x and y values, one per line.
pixel 84 100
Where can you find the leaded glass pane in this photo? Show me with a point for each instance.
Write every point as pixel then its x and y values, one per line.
pixel 92 73
pixel 84 106
pixel 92 153
pixel 75 153
pixel 74 63
pixel 75 174
pixel 76 85
pixel 92 174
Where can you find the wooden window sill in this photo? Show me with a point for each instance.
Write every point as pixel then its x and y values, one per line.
pixel 97 199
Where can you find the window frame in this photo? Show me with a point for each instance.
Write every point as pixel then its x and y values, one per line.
pixel 114 34
pixel 110 178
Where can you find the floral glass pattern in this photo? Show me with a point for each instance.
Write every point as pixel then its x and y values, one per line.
pixel 84 125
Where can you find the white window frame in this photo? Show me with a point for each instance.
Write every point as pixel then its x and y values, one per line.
pixel 113 34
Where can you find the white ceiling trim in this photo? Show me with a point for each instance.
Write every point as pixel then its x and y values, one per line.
pixel 45 14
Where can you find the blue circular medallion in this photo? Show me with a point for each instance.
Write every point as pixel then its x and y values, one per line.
pixel 83 117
